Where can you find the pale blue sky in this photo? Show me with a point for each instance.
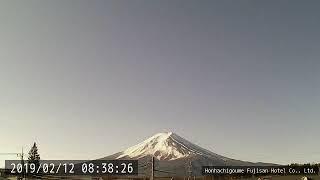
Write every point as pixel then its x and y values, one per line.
pixel 85 79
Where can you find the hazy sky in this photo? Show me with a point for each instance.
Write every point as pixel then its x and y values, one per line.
pixel 85 79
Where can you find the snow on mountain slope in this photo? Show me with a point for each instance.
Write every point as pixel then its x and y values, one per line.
pixel 167 146
pixel 173 153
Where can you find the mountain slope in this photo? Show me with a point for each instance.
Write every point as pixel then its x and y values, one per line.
pixel 175 154
pixel 166 146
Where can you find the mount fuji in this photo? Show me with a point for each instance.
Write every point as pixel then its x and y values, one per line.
pixel 175 155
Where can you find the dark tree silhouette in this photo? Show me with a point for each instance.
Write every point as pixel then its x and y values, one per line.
pixel 34 156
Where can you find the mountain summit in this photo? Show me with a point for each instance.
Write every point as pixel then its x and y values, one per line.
pixel 165 146
pixel 176 153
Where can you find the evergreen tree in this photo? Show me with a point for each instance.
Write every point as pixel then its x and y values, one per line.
pixel 34 156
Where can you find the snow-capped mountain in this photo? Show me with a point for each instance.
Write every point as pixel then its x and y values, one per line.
pixel 175 154
pixel 166 146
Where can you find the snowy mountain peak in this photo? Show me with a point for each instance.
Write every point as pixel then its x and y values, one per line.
pixel 165 146
pixel 160 136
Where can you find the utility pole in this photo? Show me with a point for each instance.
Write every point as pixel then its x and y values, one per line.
pixel 189 170
pixel 18 155
pixel 22 162
pixel 152 168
